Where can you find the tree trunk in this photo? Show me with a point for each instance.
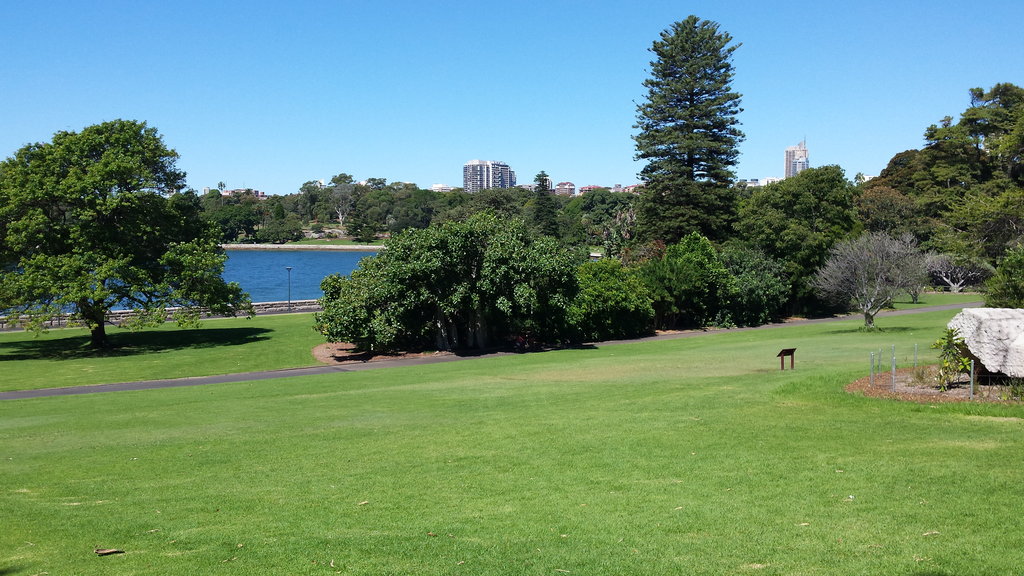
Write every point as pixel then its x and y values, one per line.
pixel 95 318
pixel 869 320
pixel 98 335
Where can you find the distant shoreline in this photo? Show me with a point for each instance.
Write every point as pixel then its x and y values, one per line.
pixel 343 247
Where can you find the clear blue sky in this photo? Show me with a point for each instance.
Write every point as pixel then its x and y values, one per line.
pixel 268 95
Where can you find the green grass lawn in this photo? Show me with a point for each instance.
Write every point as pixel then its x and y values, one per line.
pixel 938 299
pixel 222 346
pixel 689 456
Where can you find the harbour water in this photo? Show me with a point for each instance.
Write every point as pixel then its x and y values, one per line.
pixel 265 276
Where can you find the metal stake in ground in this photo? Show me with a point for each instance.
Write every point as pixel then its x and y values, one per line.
pixel 972 378
pixel 894 369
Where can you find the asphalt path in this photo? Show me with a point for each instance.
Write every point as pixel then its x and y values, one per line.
pixel 410 361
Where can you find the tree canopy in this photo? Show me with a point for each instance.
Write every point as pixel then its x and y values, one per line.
pixel 95 220
pixel 961 193
pixel 798 220
pixel 688 125
pixel 688 133
pixel 1006 286
pixel 452 286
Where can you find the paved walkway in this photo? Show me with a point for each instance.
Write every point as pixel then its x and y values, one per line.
pixel 413 361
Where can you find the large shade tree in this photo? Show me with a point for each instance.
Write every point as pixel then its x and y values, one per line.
pixel 458 285
pixel 688 134
pixel 961 193
pixel 95 220
pixel 798 220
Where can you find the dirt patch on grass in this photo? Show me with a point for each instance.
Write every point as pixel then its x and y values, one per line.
pixel 921 385
pixel 344 353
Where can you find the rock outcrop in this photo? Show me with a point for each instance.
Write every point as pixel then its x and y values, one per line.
pixel 995 337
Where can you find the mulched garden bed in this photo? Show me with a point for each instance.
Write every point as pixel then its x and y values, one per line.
pixel 921 385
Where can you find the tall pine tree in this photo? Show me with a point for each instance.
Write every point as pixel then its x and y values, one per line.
pixel 688 134
pixel 543 208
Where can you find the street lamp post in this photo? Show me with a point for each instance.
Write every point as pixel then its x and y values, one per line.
pixel 289 269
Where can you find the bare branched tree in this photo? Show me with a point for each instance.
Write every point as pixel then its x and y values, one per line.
pixel 914 276
pixel 957 271
pixel 869 271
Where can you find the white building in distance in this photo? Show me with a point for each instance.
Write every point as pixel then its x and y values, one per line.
pixel 480 175
pixel 797 159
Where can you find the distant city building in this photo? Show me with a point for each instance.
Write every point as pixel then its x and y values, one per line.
pixel 755 183
pixel 797 159
pixel 244 191
pixel 565 189
pixel 480 175
pixel 591 188
pixel 441 188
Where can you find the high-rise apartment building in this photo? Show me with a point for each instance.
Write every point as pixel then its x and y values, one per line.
pixel 797 159
pixel 480 175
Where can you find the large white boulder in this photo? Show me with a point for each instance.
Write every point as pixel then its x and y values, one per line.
pixel 995 336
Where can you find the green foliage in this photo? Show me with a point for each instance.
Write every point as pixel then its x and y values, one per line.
pixel 688 134
pixel 454 286
pixel 996 117
pixel 760 288
pixel 689 284
pixel 543 208
pixel 885 209
pixel 413 208
pixel 965 183
pixel 984 224
pixel 798 220
pixel 953 360
pixel 94 220
pixel 600 218
pixel 1006 288
pixel 506 203
pixel 687 123
pixel 281 230
pixel 613 303
pixel 670 211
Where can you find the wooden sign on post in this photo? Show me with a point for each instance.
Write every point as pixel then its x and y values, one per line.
pixel 791 352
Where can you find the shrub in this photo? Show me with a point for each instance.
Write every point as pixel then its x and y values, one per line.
pixel 612 303
pixel 953 359
pixel 1006 287
pixel 760 285
pixel 689 285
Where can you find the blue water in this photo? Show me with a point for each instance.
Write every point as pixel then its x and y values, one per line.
pixel 263 275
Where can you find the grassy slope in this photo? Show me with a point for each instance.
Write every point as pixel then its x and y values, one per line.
pixel 692 456
pixel 62 358
pixel 222 346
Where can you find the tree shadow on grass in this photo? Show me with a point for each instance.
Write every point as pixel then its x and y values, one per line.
pixel 875 330
pixel 125 343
